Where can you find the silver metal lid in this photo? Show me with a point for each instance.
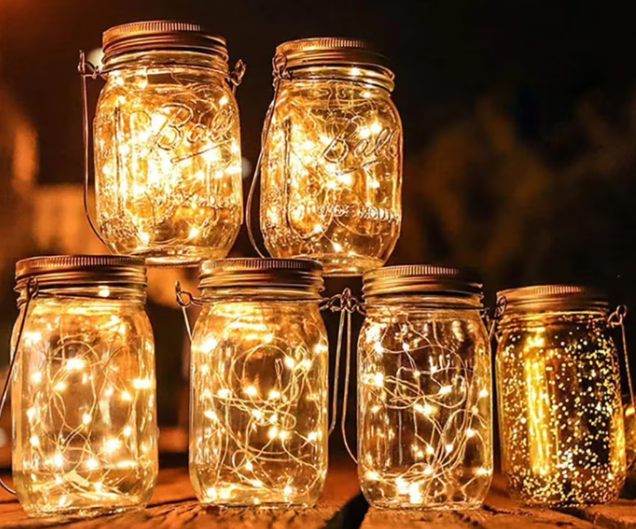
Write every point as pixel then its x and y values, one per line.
pixel 161 35
pixel 254 273
pixel 332 50
pixel 69 270
pixel 420 279
pixel 552 297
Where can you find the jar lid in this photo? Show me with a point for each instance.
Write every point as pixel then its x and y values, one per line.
pixel 420 279
pixel 255 273
pixel 161 35
pixel 332 50
pixel 69 270
pixel 552 297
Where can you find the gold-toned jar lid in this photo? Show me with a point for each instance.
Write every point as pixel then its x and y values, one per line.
pixel 69 270
pixel 161 35
pixel 551 297
pixel 420 279
pixel 331 51
pixel 263 274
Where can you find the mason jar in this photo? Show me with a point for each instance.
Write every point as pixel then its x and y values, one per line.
pixel 83 386
pixel 558 383
pixel 332 159
pixel 424 390
pixel 258 423
pixel 167 144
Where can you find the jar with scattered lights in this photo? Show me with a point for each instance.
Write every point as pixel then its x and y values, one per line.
pixel 424 390
pixel 332 159
pixel 83 387
pixel 558 383
pixel 258 428
pixel 167 144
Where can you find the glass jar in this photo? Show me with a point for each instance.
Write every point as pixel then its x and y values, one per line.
pixel 558 383
pixel 167 144
pixel 258 423
pixel 424 390
pixel 83 387
pixel 332 160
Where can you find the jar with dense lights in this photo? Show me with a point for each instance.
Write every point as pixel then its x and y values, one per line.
pixel 558 383
pixel 83 387
pixel 424 390
pixel 332 159
pixel 167 144
pixel 258 424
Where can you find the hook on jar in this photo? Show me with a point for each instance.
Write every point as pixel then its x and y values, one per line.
pixel 493 315
pixel 617 319
pixel 87 70
pixel 32 290
pixel 185 299
pixel 235 77
pixel 347 304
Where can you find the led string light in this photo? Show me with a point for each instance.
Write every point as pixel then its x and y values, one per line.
pixel 425 432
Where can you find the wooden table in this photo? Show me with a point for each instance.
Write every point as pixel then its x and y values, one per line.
pixel 342 506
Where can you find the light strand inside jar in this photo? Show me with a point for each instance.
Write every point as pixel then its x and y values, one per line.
pixel 332 173
pixel 434 408
pixel 84 409
pixel 168 163
pixel 260 420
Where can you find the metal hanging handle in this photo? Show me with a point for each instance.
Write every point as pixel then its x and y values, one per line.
pixel 492 316
pixel 31 293
pixel 87 70
pixel 617 319
pixel 280 72
pixel 235 77
pixel 185 300
pixel 347 304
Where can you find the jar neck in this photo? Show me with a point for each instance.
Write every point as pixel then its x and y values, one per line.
pixel 517 319
pixel 424 301
pixel 133 61
pixel 375 77
pixel 95 292
pixel 271 293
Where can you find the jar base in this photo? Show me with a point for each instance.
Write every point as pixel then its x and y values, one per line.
pixel 166 259
pixel 82 512
pixel 338 265
pixel 406 506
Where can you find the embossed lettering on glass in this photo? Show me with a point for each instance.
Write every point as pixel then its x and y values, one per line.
pixel 167 144
pixel 83 387
pixel 332 161
pixel 424 390
pixel 558 384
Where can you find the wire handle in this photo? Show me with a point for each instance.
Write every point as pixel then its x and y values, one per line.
pixel 87 70
pixel 280 73
pixel 347 304
pixel 493 315
pixel 235 77
pixel 617 319
pixel 185 300
pixel 31 293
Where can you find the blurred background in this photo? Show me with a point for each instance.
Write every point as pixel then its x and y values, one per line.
pixel 520 141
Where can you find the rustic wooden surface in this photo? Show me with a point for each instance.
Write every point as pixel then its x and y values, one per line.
pixel 174 505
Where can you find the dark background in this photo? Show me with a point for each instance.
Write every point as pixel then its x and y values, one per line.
pixel 519 125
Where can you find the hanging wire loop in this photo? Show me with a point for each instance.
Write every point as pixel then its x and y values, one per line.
pixel 87 70
pixel 235 77
pixel 280 72
pixel 185 300
pixel 492 316
pixel 347 304
pixel 31 293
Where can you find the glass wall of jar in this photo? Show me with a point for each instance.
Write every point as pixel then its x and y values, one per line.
pixel 83 387
pixel 558 384
pixel 167 144
pixel 424 390
pixel 332 159
pixel 258 425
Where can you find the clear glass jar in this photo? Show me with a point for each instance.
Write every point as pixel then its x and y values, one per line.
pixel 167 145
pixel 332 161
pixel 424 390
pixel 83 387
pixel 258 424
pixel 558 383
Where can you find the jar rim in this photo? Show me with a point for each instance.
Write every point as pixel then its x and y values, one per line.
pixel 430 280
pixel 72 270
pixel 158 35
pixel 262 274
pixel 551 297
